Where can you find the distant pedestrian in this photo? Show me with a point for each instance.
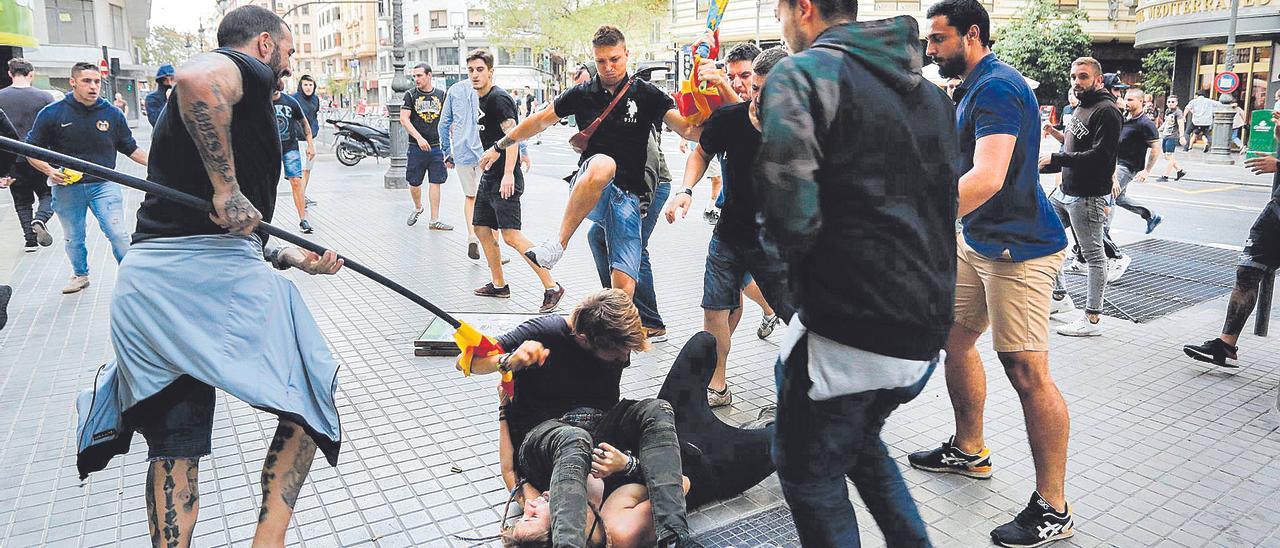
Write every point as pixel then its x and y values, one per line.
pixel 1172 133
pixel 157 99
pixel 1200 112
pixel 1136 154
pixel 420 117
pixel 121 104
pixel 32 196
pixel 310 103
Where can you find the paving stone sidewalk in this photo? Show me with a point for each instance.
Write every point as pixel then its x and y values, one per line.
pixel 1163 451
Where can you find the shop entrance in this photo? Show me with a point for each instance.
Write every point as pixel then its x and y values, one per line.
pixel 1253 67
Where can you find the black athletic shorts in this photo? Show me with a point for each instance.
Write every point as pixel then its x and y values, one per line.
pixel 177 422
pixel 492 211
pixel 1262 249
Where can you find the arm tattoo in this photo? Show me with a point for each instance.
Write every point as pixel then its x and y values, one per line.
pixel 506 140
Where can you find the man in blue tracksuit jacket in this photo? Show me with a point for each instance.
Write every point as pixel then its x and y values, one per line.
pixel 156 99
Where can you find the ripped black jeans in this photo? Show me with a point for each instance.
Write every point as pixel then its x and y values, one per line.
pixel 556 457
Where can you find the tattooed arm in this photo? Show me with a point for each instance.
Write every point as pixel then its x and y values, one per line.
pixel 208 86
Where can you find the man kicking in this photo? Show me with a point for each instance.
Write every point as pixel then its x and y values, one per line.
pixel 609 186
pixel 197 308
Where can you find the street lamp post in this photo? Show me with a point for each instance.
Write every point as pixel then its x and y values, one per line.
pixel 395 177
pixel 1220 137
pixel 459 38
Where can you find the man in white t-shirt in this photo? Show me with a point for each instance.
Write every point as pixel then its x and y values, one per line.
pixel 1199 113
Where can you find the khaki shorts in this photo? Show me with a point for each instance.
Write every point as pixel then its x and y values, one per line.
pixel 469 176
pixel 1011 297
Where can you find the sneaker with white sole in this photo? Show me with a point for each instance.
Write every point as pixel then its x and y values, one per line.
pixel 1036 525
pixel 546 254
pixel 1117 267
pixel 951 460
pixel 77 283
pixel 1076 267
pixel 1082 327
pixel 767 324
pixel 413 217
pixel 1215 351
pixel 1061 306
pixel 656 334
pixel 719 398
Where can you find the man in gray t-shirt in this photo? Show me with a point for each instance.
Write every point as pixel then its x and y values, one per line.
pixel 21 103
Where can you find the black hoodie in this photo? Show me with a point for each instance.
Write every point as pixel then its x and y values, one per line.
pixel 1088 157
pixel 857 182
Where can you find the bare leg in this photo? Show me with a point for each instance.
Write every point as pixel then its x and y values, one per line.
pixel 1243 298
pixel 492 256
pixel 415 192
pixel 620 280
pixel 1048 423
pixel 306 178
pixel 752 291
pixel 283 472
pixel 299 196
pixel 586 192
pixel 1171 166
pixel 517 241
pixel 433 194
pixel 720 324
pixel 468 211
pixel 173 501
pixel 967 386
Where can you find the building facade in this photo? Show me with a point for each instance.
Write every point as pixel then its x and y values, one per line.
pixel 1197 32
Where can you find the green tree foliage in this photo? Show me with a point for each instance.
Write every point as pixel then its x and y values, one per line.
pixel 565 26
pixel 168 46
pixel 1157 72
pixel 1041 42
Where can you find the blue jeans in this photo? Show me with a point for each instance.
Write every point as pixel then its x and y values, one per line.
pixel 819 443
pixel 646 298
pixel 107 203
pixel 619 212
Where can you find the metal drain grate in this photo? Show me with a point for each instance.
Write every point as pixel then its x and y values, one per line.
pixel 768 528
pixel 1164 277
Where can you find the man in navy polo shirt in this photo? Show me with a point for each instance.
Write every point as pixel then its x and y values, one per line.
pixel 1008 256
pixel 85 126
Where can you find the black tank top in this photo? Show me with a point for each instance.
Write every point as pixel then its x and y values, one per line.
pixel 175 161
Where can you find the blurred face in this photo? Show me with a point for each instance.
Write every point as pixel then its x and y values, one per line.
pixel 1083 78
pixel 421 79
pixel 948 48
pixel 86 85
pixel 740 78
pixel 479 73
pixel 611 64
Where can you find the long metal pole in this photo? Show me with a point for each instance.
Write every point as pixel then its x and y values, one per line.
pixel 395 177
pixel 1231 36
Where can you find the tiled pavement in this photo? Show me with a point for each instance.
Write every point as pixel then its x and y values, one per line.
pixel 1164 452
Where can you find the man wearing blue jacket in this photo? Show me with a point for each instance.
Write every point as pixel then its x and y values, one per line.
pixel 85 126
pixel 156 99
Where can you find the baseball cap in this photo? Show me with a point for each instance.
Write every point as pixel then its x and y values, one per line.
pixel 1112 80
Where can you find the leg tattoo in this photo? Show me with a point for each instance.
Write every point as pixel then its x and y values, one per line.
pixel 283 433
pixel 153 520
pixel 1243 299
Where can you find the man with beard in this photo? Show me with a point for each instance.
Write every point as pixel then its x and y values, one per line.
pixel 196 307
pixel 1008 255
pixel 156 100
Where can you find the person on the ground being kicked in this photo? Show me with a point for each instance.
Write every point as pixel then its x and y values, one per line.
pixel 1260 258
pixel 1087 163
pixel 1172 133
pixel 861 210
pixel 734 255
pixel 420 116
pixel 196 308
pixel 307 98
pixel 1008 254
pixel 288 115
pixel 1136 154
pixel 609 186
pixel 501 185
pixel 21 102
pixel 85 126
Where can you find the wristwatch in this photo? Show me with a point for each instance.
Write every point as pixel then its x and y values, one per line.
pixel 687 190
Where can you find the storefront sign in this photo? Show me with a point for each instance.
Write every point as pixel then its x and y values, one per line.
pixel 1187 7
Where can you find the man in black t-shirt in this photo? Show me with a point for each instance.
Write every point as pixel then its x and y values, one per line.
pixel 501 184
pixel 566 377
pixel 420 116
pixel 288 114
pixel 609 187
pixel 734 256
pixel 21 103
pixel 1136 155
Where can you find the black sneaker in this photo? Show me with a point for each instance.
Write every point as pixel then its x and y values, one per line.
pixel 489 290
pixel 31 247
pixel 6 293
pixel 1181 173
pixel 1036 525
pixel 305 227
pixel 951 460
pixel 551 299
pixel 1216 352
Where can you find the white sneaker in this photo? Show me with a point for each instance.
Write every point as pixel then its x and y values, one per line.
pixel 1061 306
pixel 1082 327
pixel 719 399
pixel 1117 267
pixel 547 254
pixel 1076 267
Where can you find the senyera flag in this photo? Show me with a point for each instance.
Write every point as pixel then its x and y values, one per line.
pixel 695 100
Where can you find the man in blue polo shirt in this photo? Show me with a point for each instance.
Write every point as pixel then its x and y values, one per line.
pixel 85 126
pixel 1008 255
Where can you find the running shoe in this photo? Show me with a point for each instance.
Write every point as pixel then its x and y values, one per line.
pixel 1061 306
pixel 951 460
pixel 1153 222
pixel 488 290
pixel 767 415
pixel 1036 525
pixel 1082 327
pixel 656 334
pixel 551 299
pixel 304 226
pixel 308 202
pixel 439 225
pixel 1162 179
pixel 473 251
pixel 77 283
pixel 31 247
pixel 1181 173
pixel 711 215
pixel 413 217
pixel 546 255
pixel 43 237
pixel 6 293
pixel 767 324
pixel 719 398
pixel 1215 351
pixel 1076 266
pixel 1117 267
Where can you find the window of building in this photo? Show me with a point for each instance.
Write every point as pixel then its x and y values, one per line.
pixel 447 56
pixel 1068 4
pixel 899 6
pixel 522 57
pixel 306 47
pixel 117 27
pixel 475 18
pixel 305 10
pixel 305 28
pixel 438 19
pixel 416 24
pixel 70 22
pixel 701 8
